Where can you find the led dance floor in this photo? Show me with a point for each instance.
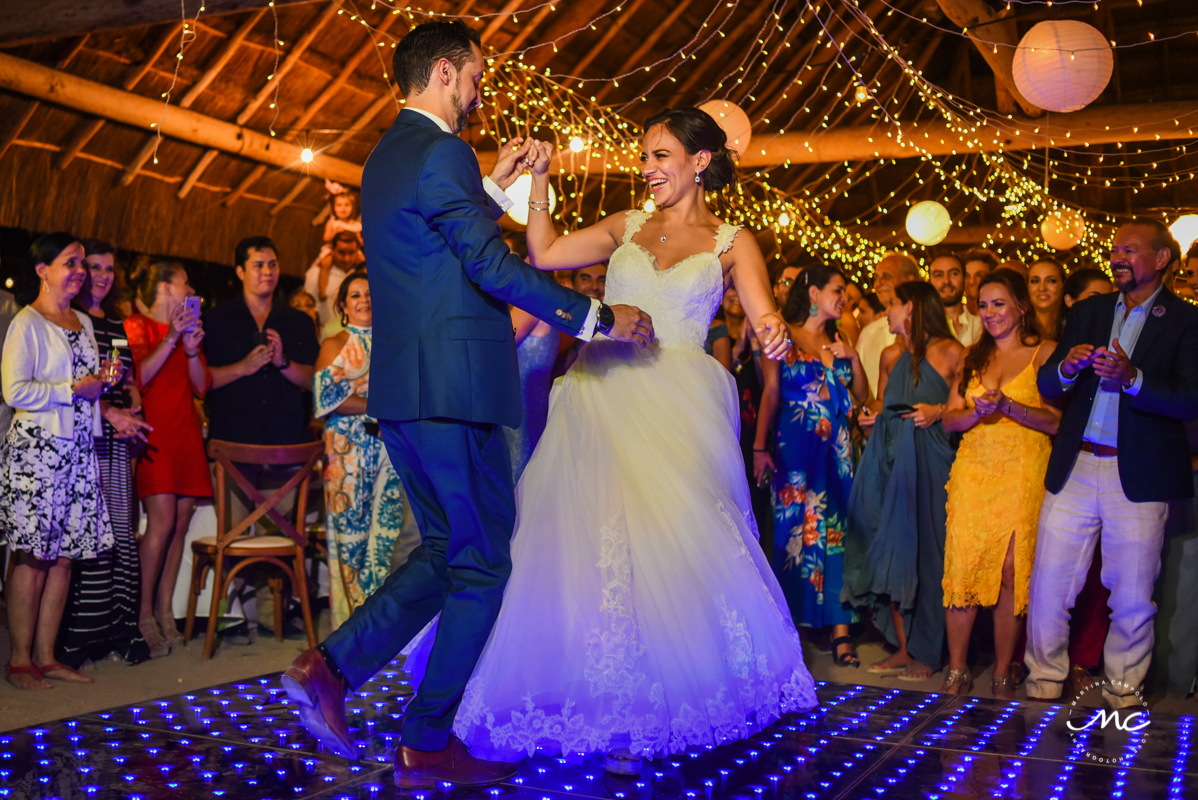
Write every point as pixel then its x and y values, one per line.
pixel 241 741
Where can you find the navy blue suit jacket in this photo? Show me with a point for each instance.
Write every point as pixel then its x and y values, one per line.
pixel 1154 454
pixel 441 279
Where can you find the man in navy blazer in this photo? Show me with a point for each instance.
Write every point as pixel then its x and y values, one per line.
pixel 444 377
pixel 1128 362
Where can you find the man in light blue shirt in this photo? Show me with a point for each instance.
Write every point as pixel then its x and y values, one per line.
pixel 1129 364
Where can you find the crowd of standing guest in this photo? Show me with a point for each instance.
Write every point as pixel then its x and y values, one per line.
pixel 1023 427
pixel 106 422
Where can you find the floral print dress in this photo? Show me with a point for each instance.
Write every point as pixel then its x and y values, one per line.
pixel 813 478
pixel 364 498
pixel 50 501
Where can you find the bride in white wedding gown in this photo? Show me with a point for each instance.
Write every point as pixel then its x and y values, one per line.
pixel 641 612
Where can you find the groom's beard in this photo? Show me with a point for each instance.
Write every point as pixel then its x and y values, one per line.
pixel 462 115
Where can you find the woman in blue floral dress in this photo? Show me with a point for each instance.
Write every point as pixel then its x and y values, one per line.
pixel 364 498
pixel 810 396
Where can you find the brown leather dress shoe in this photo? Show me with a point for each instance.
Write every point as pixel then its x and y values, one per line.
pixel 321 699
pixel 419 769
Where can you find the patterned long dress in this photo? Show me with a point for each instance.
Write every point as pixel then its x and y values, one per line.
pixel 364 498
pixel 813 478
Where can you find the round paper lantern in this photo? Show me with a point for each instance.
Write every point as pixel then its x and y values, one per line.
pixel 734 122
pixel 928 222
pixel 1185 231
pixel 1063 64
pixel 1063 230
pixel 519 192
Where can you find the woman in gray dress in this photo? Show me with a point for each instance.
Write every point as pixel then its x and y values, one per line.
pixel 894 545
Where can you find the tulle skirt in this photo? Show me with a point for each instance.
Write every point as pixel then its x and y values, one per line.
pixel 641 611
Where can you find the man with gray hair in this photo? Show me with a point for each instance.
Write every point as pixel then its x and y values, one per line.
pixel 893 269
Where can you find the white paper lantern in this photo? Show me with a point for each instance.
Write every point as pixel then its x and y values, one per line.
pixel 1063 230
pixel 928 222
pixel 519 192
pixel 1063 65
pixel 1185 231
pixel 734 121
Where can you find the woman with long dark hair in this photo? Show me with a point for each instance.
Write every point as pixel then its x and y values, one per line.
pixel 1046 289
pixel 894 545
pixel 995 491
pixel 101 614
pixel 810 394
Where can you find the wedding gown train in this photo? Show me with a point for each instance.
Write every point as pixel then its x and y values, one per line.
pixel 641 611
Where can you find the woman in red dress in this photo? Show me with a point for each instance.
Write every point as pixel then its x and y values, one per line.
pixel 174 471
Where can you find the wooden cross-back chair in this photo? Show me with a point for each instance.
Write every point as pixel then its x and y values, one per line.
pixel 218 553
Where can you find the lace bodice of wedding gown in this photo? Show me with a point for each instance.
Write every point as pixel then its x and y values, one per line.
pixel 683 299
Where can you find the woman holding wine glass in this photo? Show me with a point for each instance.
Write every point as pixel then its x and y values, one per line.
pixel 101 614
pixel 51 508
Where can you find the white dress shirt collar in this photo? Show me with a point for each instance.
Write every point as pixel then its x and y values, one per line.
pixel 442 124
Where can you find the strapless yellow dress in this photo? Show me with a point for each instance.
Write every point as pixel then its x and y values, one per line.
pixel 994 492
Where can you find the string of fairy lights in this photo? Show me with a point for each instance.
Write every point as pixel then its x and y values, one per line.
pixel 520 98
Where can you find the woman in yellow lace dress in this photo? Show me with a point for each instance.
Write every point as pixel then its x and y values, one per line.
pixel 997 482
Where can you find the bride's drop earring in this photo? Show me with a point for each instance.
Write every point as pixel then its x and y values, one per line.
pixel 698 177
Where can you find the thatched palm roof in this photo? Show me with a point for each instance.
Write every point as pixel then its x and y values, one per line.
pixel 62 168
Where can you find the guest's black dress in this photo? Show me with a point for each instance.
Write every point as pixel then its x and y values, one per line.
pixel 102 607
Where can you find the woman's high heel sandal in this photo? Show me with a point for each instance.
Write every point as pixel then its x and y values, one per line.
pixel 170 631
pixel 149 631
pixel 1002 688
pixel 958 681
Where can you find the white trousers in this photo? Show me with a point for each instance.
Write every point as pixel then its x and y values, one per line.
pixel 1092 502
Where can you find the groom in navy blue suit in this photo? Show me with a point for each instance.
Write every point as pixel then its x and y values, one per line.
pixel 444 377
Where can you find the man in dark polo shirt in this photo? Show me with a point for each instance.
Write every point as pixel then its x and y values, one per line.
pixel 262 354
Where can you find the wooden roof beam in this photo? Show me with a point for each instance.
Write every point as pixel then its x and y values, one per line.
pixel 996 42
pixel 716 55
pixel 57 19
pixel 222 58
pixel 509 9
pixel 315 106
pixel 647 45
pixel 628 13
pixel 23 118
pixel 62 88
pixel 268 88
pixel 88 131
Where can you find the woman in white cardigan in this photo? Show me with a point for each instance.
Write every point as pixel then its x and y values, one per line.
pixel 51 508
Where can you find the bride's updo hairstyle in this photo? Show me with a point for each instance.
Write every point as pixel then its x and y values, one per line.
pixel 697 130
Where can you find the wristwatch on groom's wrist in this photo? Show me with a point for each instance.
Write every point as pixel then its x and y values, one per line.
pixel 605 319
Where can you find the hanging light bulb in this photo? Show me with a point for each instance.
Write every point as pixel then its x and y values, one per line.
pixel 577 144
pixel 650 206
pixel 306 155
pixel 862 93
pixel 784 220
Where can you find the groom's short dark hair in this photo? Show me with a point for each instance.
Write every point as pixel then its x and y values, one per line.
pixel 427 44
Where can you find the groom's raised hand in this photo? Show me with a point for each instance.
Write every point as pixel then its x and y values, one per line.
pixel 632 325
pixel 513 158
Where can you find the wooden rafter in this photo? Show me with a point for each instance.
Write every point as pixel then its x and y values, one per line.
pixel 268 87
pixel 218 62
pixel 635 58
pixel 996 42
pixel 23 119
pixel 509 9
pixel 64 89
pixel 329 92
pixel 528 30
pixel 715 57
pixel 612 29
pixel 91 128
pixel 25 21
